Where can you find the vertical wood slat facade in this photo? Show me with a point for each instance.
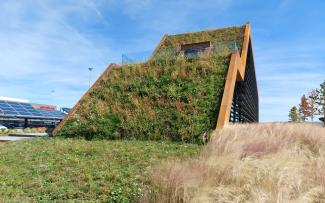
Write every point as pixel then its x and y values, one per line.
pixel 240 93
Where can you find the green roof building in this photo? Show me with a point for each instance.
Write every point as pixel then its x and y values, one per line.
pixel 191 84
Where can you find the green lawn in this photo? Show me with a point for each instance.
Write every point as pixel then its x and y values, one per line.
pixel 57 169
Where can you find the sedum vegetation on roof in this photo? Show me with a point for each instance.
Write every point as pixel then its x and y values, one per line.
pixel 223 35
pixel 167 98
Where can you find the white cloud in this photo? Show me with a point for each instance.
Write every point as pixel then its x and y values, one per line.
pixel 50 44
pixel 42 50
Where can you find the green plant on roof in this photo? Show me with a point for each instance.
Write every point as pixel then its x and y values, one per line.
pixel 217 36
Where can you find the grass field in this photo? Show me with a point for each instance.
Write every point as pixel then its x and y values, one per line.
pixel 59 169
pixel 249 163
pixel 241 163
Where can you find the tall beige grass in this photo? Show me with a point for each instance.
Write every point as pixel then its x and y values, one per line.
pixel 248 163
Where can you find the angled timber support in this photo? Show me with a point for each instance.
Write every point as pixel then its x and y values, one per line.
pixel 73 110
pixel 236 72
pixel 228 93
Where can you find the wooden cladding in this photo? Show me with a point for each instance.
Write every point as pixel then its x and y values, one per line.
pixel 236 73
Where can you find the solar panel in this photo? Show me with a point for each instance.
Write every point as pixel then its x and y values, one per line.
pixel 26 109
pixel 5 106
pixel 67 110
pixel 21 112
pixel 10 112
pixel 11 102
pixel 33 111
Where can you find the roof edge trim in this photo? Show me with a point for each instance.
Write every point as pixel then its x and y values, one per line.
pixel 74 109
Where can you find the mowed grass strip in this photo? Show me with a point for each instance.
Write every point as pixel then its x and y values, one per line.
pixel 59 169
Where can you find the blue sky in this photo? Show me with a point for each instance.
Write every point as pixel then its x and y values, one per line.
pixel 49 44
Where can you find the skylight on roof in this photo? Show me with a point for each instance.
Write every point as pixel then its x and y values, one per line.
pixel 196 49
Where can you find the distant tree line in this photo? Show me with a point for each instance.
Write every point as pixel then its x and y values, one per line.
pixel 311 105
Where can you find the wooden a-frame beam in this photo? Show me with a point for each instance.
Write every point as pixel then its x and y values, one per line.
pixel 236 72
pixel 74 109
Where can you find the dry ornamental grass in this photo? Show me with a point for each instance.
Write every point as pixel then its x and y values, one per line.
pixel 249 163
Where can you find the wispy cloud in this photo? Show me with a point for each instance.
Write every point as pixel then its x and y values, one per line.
pixel 40 47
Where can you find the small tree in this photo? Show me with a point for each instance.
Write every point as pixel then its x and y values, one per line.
pixel 303 108
pixel 301 117
pixel 293 114
pixel 321 99
pixel 312 103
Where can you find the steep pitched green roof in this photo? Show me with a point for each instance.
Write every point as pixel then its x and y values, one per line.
pixel 171 98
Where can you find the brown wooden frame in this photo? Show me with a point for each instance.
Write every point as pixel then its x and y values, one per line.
pixel 236 72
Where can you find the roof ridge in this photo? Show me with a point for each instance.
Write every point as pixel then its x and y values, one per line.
pixel 207 30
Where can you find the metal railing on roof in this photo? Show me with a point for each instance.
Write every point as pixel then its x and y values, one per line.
pixel 216 48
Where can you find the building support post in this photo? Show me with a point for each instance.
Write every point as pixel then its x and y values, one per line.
pixel 26 123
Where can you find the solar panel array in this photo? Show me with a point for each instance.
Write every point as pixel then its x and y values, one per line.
pixel 66 110
pixel 10 108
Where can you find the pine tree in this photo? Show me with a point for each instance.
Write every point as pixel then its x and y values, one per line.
pixel 313 103
pixel 293 114
pixel 321 99
pixel 303 108
pixel 301 117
